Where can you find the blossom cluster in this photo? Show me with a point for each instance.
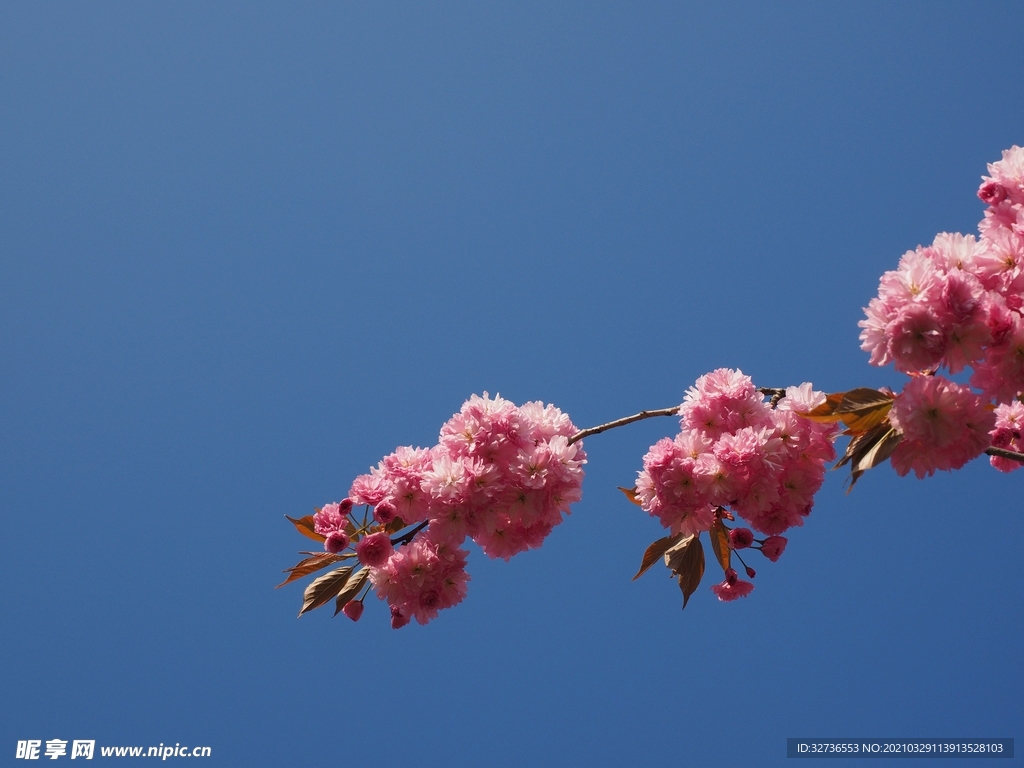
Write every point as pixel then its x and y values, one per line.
pixel 956 303
pixel 735 451
pixel 1008 433
pixel 500 475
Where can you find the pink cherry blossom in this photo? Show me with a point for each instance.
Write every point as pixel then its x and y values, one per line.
pixel 1009 434
pixel 329 519
pixel 727 592
pixel 943 424
pixel 374 550
pixel 353 609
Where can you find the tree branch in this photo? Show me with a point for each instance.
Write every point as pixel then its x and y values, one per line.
pixel 1005 454
pixel 673 411
pixel 405 538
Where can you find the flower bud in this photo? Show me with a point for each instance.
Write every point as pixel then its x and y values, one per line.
pixel 751 573
pixel 336 542
pixel 345 506
pixel 731 576
pixel 385 512
pixel 741 538
pixel 773 547
pixel 353 609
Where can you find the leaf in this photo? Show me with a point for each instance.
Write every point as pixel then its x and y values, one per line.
pixel 631 495
pixel 655 552
pixel 325 588
pixel 720 544
pixel 304 525
pixel 351 589
pixel 880 450
pixel 395 525
pixel 310 565
pixel 868 450
pixel 826 412
pixel 863 409
pixel 674 554
pixel 686 560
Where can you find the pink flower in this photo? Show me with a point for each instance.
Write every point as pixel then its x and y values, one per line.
pixel 374 550
pixel 1008 434
pixel 943 424
pixel 329 519
pixel 336 542
pixel 741 538
pixel 992 193
pixel 727 592
pixel 773 547
pixel 353 609
pixel 398 619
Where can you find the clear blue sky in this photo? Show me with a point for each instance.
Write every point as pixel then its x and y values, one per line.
pixel 247 249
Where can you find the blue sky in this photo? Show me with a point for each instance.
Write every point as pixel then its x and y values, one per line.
pixel 248 249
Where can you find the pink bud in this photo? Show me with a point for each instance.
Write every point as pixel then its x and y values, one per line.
pixel 731 576
pixel 385 512
pixel 397 619
pixel 741 538
pixel 751 573
pixel 353 609
pixel 773 547
pixel 992 192
pixel 345 506
pixel 336 542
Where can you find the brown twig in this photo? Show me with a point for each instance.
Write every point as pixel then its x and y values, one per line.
pixel 774 393
pixel 408 536
pixel 673 411
pixel 1005 454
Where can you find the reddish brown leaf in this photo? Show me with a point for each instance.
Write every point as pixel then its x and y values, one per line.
pixel 655 552
pixel 325 588
pixel 686 560
pixel 869 449
pixel 395 525
pixel 863 409
pixel 826 412
pixel 351 589
pixel 631 495
pixel 674 554
pixel 310 565
pixel 304 525
pixel 720 544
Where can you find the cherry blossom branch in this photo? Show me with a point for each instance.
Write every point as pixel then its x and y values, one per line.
pixel 673 411
pixel 1005 454
pixel 405 538
pixel 774 393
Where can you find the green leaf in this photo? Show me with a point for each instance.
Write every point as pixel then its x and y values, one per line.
pixel 655 551
pixel 325 588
